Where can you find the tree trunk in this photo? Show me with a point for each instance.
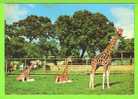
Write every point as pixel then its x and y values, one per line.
pixel 82 54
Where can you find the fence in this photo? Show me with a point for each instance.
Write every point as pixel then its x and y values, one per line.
pixel 15 65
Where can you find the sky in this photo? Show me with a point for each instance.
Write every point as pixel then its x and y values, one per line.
pixel 121 15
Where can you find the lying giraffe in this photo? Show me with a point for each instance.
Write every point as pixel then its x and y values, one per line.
pixel 104 59
pixel 63 78
pixel 24 75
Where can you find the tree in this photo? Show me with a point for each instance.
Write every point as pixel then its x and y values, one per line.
pixel 63 31
pixel 32 50
pixel 33 27
pixel 84 31
pixel 23 36
pixel 14 47
pixel 126 45
pixel 13 44
pixel 48 47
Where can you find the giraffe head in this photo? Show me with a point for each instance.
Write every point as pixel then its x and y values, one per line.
pixel 114 39
pixel 119 31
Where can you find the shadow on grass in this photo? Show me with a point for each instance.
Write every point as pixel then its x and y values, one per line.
pixel 111 84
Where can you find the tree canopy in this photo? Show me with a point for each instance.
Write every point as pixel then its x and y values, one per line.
pixel 83 31
pixel 70 35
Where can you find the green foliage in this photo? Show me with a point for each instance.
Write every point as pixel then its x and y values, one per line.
pixel 32 50
pixel 22 37
pixel 126 45
pixel 82 33
pixel 15 47
pixel 33 26
pixel 48 47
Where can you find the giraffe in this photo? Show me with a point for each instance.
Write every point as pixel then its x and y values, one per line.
pixel 104 59
pixel 24 75
pixel 63 78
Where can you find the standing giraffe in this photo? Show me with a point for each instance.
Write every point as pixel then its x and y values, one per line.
pixel 63 78
pixel 104 59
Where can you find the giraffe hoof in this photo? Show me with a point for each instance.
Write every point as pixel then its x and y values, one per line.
pixel 91 87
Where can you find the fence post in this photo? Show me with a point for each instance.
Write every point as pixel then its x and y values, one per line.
pixel 131 60
pixel 44 64
pixel 131 57
pixel 121 58
pixel 87 60
pixel 25 62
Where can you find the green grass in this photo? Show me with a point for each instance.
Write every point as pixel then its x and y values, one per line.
pixel 44 84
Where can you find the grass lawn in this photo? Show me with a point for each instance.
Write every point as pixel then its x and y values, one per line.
pixel 44 84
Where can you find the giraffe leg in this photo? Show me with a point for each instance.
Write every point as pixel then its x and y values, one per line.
pixel 22 80
pixel 107 78
pixel 104 74
pixel 92 76
pixel 91 82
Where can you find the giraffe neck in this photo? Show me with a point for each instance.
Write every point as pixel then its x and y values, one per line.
pixel 30 67
pixel 111 45
pixel 65 72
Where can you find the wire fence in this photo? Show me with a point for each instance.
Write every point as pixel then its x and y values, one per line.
pixel 51 65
